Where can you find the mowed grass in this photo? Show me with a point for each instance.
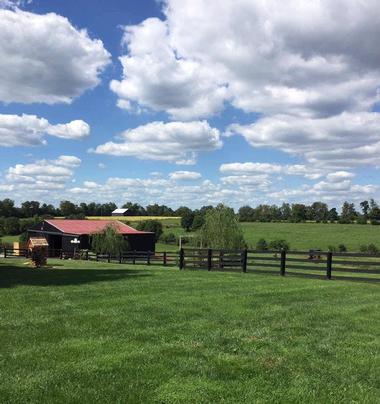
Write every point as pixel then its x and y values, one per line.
pixel 94 332
pixel 175 220
pixel 304 236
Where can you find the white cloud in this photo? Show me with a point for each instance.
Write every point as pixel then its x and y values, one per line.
pixel 43 58
pixel 41 176
pixel 338 176
pixel 309 58
pixel 185 175
pixel 29 130
pixel 174 141
pixel 271 169
pixel 155 76
pixel 345 140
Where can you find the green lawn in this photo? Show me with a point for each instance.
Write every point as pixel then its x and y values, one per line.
pixel 303 236
pixel 9 239
pixel 102 333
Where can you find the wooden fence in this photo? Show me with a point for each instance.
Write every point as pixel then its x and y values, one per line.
pixel 280 261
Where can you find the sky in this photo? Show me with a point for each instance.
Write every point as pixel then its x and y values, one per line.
pixel 190 102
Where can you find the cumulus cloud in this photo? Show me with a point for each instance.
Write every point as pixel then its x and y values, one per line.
pixel 178 142
pixel 305 58
pixel 185 175
pixel 155 76
pixel 41 176
pixel 29 130
pixel 271 169
pixel 345 140
pixel 44 58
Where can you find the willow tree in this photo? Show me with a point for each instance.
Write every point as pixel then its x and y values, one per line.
pixel 222 230
pixel 109 241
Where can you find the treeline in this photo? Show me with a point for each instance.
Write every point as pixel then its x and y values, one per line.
pixel 317 212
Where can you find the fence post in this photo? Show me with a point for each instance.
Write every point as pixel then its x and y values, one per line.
pixel 148 258
pixel 181 258
pixel 283 262
pixel 120 258
pixel 5 252
pixel 109 258
pixel 209 259
pixel 97 256
pixel 244 259
pixel 134 257
pixel 164 257
pixel 221 253
pixel 329 264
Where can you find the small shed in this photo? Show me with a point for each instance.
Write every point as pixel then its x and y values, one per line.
pixel 120 212
pixel 38 251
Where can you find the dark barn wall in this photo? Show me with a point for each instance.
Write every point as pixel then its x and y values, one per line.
pixel 142 242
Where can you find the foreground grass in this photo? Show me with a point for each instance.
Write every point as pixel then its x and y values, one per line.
pixel 93 332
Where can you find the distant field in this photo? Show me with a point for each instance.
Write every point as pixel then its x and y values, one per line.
pixel 9 239
pixel 135 218
pixel 313 235
pixel 91 332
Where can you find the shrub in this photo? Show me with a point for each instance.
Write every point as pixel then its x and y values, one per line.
pixel 261 245
pixel 342 248
pixel 369 249
pixel 169 238
pixel 109 241
pixel 331 248
pixel 279 245
pixel 361 220
pixel 153 226
pixel 375 222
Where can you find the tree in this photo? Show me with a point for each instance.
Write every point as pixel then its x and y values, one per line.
pixel 333 215
pixel 279 245
pixel 348 214
pixel 222 229
pixel 246 214
pixel 68 208
pixel 29 208
pixel 153 226
pixel 198 221
pixel 365 208
pixel 187 219
pixel 7 208
pixel 109 241
pixel 319 211
pixel 298 212
pixel 374 210
pixel 134 209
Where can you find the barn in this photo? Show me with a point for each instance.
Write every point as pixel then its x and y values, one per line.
pixel 120 212
pixel 59 233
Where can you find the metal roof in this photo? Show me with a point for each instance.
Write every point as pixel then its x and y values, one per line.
pixel 120 210
pixel 80 227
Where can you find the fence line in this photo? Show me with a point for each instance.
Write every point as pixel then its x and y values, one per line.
pixel 231 260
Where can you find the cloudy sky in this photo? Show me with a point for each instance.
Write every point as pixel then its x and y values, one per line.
pixel 190 101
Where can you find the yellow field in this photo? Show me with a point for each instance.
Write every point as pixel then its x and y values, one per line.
pixel 133 218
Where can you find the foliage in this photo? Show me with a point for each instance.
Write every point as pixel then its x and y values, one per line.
pixel 198 222
pixel 262 245
pixel 23 237
pixel 369 249
pixel 169 238
pixel 187 220
pixel 109 241
pixel 279 245
pixel 222 229
pixel 38 257
pixel 361 219
pixel 331 248
pixel 153 226
pixel 342 248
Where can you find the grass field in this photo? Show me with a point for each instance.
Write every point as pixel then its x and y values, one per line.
pixel 166 219
pixel 93 332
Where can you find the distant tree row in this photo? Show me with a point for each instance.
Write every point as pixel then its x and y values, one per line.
pixel 368 211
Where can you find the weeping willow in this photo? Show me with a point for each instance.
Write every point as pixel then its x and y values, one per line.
pixel 109 241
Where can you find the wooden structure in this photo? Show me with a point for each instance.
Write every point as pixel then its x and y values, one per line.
pixel 120 212
pixel 38 251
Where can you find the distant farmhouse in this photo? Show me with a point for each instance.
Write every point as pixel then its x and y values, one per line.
pixel 59 233
pixel 120 212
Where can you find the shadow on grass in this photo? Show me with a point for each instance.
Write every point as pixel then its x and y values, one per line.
pixel 13 276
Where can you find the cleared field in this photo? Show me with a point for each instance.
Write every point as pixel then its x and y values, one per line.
pixel 303 236
pixel 136 218
pixel 9 239
pixel 94 332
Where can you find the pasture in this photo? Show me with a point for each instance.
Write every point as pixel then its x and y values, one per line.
pixel 95 332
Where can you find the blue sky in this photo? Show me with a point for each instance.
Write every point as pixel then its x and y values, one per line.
pixel 189 102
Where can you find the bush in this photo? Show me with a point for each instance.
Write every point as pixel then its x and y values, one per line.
pixel 342 248
pixel 169 238
pixel 109 241
pixel 153 226
pixel 375 222
pixel 279 245
pixel 369 249
pixel 361 220
pixel 262 245
pixel 331 248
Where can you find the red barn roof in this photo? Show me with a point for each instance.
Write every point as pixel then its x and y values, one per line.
pixel 91 226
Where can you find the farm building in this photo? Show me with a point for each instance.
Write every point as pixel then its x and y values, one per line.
pixel 59 233
pixel 120 212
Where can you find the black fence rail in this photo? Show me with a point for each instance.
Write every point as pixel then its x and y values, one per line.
pixel 294 262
